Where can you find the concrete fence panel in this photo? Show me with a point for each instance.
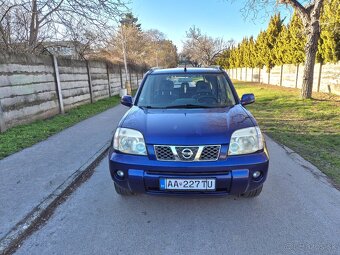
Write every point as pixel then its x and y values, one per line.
pixel 330 78
pixel 326 76
pixel 27 89
pixel 275 75
pixel 289 76
pixel 115 79
pixel 100 85
pixel 134 82
pixel 38 87
pixel 74 82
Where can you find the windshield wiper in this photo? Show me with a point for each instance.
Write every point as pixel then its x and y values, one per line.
pixel 149 107
pixel 188 106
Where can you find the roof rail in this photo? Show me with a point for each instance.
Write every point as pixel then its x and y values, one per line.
pixel 213 66
pixel 151 70
pixel 216 67
pixel 155 68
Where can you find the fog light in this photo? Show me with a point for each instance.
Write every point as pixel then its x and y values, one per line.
pixel 256 174
pixel 120 173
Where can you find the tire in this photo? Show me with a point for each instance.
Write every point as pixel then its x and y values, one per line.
pixel 253 193
pixel 122 191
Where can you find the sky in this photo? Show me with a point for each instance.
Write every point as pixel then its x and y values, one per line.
pixel 216 18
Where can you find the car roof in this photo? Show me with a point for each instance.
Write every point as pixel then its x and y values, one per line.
pixel 189 70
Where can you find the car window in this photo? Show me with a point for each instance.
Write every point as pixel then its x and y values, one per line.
pixel 193 90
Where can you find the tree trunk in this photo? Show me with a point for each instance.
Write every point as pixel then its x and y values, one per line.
pixel 312 27
pixel 311 49
pixel 33 35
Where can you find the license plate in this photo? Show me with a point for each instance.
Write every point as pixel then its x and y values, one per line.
pixel 187 184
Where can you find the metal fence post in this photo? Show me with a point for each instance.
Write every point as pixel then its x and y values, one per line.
pixel 2 120
pixel 89 79
pixel 57 78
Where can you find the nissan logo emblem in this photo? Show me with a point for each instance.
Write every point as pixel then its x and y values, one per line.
pixel 187 153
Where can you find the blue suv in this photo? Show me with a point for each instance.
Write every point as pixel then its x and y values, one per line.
pixel 188 133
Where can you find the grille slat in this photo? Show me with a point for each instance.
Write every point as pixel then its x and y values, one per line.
pixel 180 153
pixel 210 153
pixel 164 153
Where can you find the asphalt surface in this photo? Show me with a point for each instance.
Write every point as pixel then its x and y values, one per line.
pixel 28 177
pixel 298 212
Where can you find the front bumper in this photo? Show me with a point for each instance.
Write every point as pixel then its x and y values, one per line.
pixel 233 174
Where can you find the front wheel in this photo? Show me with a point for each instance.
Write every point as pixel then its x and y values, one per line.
pixel 122 191
pixel 253 193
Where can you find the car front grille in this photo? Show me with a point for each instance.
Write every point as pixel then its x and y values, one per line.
pixel 164 153
pixel 210 152
pixel 187 153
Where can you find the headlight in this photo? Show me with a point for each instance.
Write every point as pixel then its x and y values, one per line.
pixel 246 140
pixel 129 141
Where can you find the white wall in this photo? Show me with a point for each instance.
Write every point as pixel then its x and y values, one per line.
pixel 292 76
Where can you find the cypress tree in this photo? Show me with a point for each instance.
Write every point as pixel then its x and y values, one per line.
pixel 272 33
pixel 232 58
pixel 246 53
pixel 242 53
pixel 329 46
pixel 224 59
pixel 281 48
pixel 237 56
pixel 252 52
pixel 297 42
pixel 260 49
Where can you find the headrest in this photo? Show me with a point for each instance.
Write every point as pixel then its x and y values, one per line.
pixel 202 86
pixel 167 85
pixel 184 85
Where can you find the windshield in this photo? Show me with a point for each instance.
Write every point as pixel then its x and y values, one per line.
pixel 186 91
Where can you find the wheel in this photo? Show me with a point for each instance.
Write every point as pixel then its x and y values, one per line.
pixel 253 193
pixel 122 191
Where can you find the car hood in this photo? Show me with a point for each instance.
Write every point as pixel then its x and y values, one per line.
pixel 187 126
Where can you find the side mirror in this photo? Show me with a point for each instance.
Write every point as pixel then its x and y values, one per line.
pixel 247 99
pixel 126 100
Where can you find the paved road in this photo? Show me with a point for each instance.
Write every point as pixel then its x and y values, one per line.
pixel 28 177
pixel 297 213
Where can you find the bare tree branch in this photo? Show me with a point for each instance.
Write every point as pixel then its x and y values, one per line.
pixel 51 11
pixel 297 6
pixel 33 21
pixel 201 49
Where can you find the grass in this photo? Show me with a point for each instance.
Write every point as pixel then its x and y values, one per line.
pixel 23 136
pixel 310 127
